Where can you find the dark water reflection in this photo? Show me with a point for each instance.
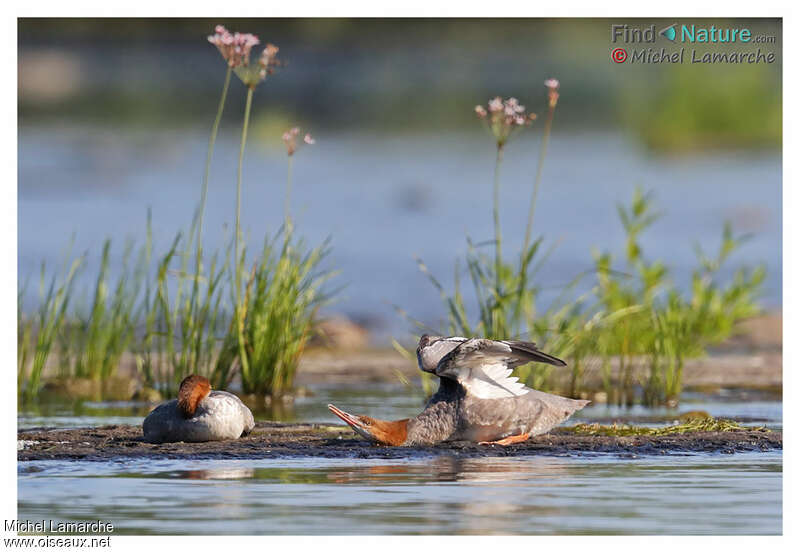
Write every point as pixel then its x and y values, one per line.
pixel 695 494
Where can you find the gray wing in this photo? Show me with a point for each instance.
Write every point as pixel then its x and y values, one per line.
pixel 433 350
pixel 527 352
pixel 483 367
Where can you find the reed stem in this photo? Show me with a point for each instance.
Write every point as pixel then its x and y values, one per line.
pixel 537 181
pixel 288 201
pixel 239 311
pixel 204 189
pixel 498 256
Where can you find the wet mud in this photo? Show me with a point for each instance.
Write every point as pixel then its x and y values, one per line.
pixel 282 440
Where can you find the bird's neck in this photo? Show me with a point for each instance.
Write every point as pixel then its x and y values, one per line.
pixel 393 432
pixel 439 421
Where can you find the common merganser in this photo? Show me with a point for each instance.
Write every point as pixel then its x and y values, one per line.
pixel 198 415
pixel 477 399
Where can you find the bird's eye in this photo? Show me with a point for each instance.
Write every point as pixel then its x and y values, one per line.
pixel 366 422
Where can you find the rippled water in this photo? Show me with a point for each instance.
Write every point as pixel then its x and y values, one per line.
pixel 687 494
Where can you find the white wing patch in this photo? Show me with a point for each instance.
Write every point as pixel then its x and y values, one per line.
pixel 492 381
pixel 482 368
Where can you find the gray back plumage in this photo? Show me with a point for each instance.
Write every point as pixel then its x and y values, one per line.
pixel 533 413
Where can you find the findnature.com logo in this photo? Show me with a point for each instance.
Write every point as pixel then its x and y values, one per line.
pixel 689 34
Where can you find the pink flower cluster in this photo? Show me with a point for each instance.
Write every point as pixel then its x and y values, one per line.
pixel 268 61
pixel 503 117
pixel 235 48
pixel 290 139
pixel 552 92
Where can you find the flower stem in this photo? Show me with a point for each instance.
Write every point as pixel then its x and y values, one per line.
pixel 211 141
pixel 498 256
pixel 204 193
pixel 542 153
pixel 288 201
pixel 239 312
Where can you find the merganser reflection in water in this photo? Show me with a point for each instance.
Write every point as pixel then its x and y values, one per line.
pixel 198 415
pixel 478 400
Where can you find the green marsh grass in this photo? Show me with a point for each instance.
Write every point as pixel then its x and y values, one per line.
pixel 667 326
pixel 180 333
pixel 708 424
pixel 279 306
pixel 97 338
pixel 38 335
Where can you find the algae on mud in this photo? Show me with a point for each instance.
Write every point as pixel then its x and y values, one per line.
pixel 705 424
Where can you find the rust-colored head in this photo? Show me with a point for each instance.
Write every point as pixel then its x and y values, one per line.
pixel 375 430
pixel 192 391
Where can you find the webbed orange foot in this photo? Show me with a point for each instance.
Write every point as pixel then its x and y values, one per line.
pixel 508 441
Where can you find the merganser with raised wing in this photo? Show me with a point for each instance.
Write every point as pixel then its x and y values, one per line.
pixel 478 400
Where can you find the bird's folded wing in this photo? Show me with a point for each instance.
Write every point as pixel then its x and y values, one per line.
pixel 483 368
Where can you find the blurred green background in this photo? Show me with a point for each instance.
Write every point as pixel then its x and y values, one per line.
pixel 400 74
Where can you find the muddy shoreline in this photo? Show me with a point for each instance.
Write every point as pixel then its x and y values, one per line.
pixel 278 440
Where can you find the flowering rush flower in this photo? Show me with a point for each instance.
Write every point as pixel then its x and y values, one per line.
pixel 290 139
pixel 552 92
pixel 235 49
pixel 268 62
pixel 504 117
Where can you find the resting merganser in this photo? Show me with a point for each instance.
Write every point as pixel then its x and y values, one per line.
pixel 477 399
pixel 198 415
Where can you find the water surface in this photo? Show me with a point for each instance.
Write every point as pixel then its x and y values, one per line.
pixel 606 494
